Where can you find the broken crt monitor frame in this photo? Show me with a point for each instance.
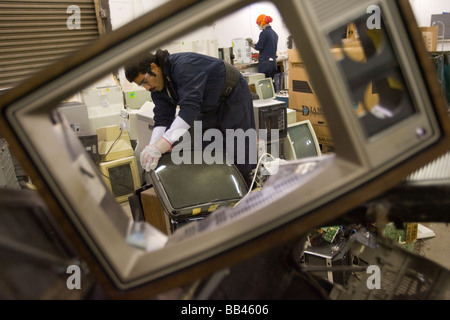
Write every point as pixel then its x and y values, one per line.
pixel 375 148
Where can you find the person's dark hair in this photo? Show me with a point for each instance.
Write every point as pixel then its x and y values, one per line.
pixel 133 68
pixel 142 65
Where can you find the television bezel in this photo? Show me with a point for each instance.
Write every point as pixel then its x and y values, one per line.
pixel 289 150
pixel 128 272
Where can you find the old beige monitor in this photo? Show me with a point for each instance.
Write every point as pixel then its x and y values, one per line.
pixel 264 89
pixel 121 176
pixel 374 151
pixel 301 141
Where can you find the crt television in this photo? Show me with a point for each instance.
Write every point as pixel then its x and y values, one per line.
pixel 301 141
pixel 374 151
pixel 191 191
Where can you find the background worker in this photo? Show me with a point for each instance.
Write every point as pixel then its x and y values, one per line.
pixel 206 89
pixel 267 46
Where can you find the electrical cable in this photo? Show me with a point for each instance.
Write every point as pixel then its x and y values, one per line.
pixel 254 176
pixel 112 145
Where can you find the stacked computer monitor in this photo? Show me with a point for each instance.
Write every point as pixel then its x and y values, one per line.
pixel 104 105
pixel 76 114
pixel 118 164
pixel 270 119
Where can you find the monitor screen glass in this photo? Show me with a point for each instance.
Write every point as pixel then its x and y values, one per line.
pixel 195 187
pixel 264 89
pixel 393 103
pixel 303 140
pixel 122 176
pixel 122 180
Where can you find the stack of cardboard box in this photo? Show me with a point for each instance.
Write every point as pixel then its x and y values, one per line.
pixel 303 99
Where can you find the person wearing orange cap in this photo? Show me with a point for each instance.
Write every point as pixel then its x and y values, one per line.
pixel 267 46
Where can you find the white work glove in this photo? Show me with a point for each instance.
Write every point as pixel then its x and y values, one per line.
pixel 161 142
pixel 151 153
pixel 157 133
pixel 176 130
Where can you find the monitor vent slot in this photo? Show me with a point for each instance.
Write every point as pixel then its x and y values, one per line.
pixel 436 170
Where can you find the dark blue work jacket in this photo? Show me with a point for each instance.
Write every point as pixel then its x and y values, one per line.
pixel 267 47
pixel 195 83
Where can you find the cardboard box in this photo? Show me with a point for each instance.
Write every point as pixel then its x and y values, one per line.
pixel 154 212
pixel 319 124
pixel 303 99
pixel 430 36
pixel 301 90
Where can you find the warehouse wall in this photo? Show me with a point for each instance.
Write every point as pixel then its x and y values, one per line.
pixel 241 24
pixel 423 9
pixel 123 11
